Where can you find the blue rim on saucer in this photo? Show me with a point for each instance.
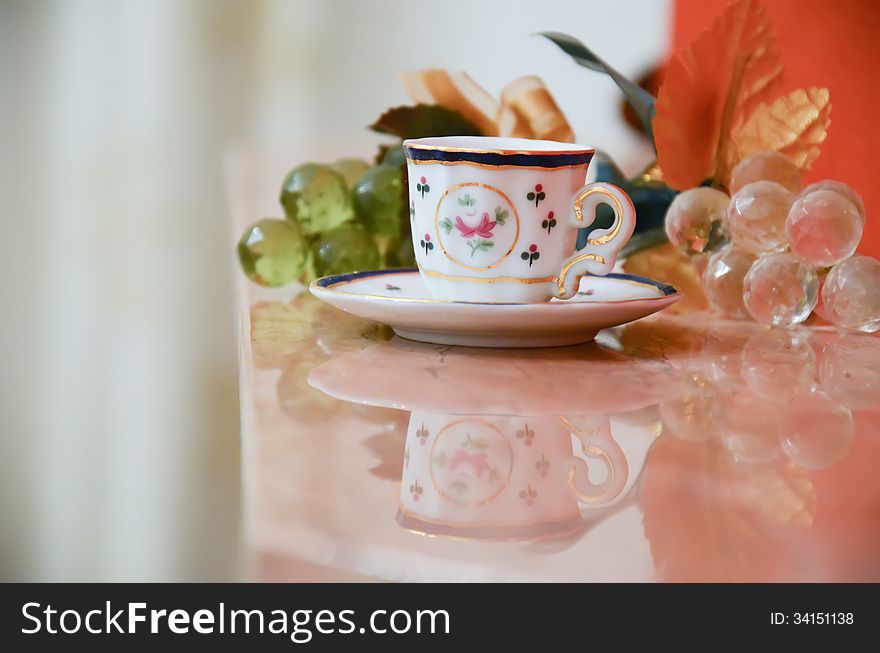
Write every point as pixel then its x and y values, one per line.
pixel 333 280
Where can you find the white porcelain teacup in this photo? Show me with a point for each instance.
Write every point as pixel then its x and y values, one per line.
pixel 496 219
pixel 505 477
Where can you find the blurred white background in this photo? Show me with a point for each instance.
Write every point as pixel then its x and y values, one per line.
pixel 119 397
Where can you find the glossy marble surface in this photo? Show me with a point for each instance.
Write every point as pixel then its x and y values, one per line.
pixel 676 448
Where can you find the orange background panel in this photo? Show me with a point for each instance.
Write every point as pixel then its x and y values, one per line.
pixel 832 43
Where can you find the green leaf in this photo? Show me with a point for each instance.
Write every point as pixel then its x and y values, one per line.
pixel 481 245
pixel 501 215
pixel 446 223
pixel 639 99
pixel 424 120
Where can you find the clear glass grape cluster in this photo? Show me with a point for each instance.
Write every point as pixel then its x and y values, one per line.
pixel 340 217
pixel 776 251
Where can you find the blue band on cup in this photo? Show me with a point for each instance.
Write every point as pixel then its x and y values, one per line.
pixel 518 159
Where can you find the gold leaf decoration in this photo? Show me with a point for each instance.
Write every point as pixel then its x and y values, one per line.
pixel 666 264
pixel 527 109
pixel 710 89
pixel 795 124
pixel 454 90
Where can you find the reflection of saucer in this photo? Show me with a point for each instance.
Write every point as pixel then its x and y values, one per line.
pixel 399 298
pixel 583 380
pixel 528 532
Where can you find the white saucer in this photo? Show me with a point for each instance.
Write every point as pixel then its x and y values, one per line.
pixel 399 298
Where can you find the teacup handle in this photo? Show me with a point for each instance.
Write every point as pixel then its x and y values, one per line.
pixel 598 443
pixel 603 246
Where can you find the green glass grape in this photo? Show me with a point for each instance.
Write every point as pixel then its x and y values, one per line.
pixel 394 156
pixel 403 255
pixel 378 200
pixel 316 197
pixel 345 249
pixel 350 169
pixel 272 252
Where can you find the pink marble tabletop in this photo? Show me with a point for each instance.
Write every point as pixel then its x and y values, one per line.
pixel 676 448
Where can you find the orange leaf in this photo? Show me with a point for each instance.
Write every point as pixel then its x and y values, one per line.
pixel 710 89
pixel 795 124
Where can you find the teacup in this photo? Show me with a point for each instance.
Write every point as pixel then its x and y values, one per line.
pixel 505 477
pixel 496 219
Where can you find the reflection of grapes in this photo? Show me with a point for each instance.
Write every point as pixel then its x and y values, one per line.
pixel 378 200
pixel 272 252
pixel 816 430
pixel 316 197
pixel 298 400
pixel 345 249
pixel 350 169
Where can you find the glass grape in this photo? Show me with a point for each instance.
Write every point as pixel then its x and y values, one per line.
pixel 851 294
pixel 823 228
pixel 346 249
pixel 723 280
pixel 350 169
pixel 780 290
pixel 378 200
pixel 272 252
pixel 839 187
pixel 316 197
pixel 394 156
pixel 695 220
pixel 766 166
pixel 756 217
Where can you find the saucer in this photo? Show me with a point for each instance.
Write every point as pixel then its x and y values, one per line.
pixel 399 298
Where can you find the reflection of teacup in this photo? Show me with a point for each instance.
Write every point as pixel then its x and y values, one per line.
pixel 549 470
pixel 506 477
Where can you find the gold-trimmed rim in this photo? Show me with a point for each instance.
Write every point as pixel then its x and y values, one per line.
pixel 421 162
pixel 474 150
pixel 313 286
